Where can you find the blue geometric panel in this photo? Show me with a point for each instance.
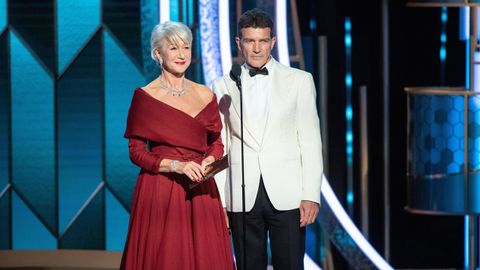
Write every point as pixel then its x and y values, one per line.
pixel 149 18
pixel 116 222
pixel 77 21
pixel 33 20
pixel 4 113
pixel 474 133
pixel 437 141
pixel 122 19
pixel 26 227
pixel 3 14
pixel 5 221
pixel 33 137
pixel 80 130
pixel 5 210
pixel 88 230
pixel 121 78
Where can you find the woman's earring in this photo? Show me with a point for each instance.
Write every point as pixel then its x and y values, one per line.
pixel 159 59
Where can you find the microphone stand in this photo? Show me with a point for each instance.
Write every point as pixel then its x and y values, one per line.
pixel 235 75
pixel 244 224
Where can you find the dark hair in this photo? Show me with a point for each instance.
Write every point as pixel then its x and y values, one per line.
pixel 255 18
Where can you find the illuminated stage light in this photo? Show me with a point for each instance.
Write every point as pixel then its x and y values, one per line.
pixel 164 10
pixel 224 33
pixel 350 227
pixel 282 31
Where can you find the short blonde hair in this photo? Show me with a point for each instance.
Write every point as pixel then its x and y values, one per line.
pixel 171 32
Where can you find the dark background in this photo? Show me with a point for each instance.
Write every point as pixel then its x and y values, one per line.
pixel 417 241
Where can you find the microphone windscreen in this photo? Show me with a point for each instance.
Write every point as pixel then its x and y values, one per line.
pixel 235 72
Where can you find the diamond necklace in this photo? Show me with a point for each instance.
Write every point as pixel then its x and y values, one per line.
pixel 174 91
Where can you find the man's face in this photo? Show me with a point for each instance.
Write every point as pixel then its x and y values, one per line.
pixel 256 45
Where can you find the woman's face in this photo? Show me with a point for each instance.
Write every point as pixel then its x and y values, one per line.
pixel 176 57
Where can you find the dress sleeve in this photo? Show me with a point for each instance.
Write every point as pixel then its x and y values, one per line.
pixel 215 144
pixel 141 157
pixel 215 148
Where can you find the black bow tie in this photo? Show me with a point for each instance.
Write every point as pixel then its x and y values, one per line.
pixel 262 71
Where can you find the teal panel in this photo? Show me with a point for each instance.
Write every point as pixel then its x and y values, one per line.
pixel 5 210
pixel 27 227
pixel 149 18
pixel 474 133
pixel 126 31
pixel 80 131
pixel 33 21
pixel 191 17
pixel 33 132
pixel 88 230
pixel 185 13
pixel 5 221
pixel 121 78
pixel 174 11
pixel 116 222
pixel 3 14
pixel 77 20
pixel 4 113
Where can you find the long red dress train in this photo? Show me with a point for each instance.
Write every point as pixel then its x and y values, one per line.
pixel 172 226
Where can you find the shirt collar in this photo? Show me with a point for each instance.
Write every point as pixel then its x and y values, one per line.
pixel 268 65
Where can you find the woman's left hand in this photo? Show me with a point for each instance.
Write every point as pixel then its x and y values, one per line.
pixel 207 161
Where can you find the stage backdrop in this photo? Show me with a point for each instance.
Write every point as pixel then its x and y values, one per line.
pixel 67 73
pixel 68 69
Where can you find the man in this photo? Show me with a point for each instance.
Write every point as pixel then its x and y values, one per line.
pixel 282 147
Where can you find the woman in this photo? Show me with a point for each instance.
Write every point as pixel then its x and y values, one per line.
pixel 174 129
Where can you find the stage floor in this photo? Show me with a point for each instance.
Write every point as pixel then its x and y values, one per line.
pixel 60 259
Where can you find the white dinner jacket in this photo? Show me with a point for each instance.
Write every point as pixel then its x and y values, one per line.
pixel 289 156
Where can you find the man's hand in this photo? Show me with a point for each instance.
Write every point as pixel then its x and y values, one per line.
pixel 308 212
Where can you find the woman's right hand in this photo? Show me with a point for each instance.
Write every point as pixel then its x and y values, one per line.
pixel 191 169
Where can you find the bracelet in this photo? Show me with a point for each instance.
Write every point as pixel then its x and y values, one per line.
pixel 174 165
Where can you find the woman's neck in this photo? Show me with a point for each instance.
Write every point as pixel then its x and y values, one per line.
pixel 174 80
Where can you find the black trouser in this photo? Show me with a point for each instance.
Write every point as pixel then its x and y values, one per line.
pixel 287 239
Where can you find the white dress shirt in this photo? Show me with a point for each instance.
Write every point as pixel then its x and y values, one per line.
pixel 256 92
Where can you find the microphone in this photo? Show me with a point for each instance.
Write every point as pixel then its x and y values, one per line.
pixel 235 74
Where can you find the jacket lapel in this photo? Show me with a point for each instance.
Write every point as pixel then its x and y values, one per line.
pixel 269 109
pixel 270 99
pixel 235 95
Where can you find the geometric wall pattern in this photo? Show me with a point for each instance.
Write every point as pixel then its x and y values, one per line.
pixel 437 134
pixel 67 74
pixel 437 122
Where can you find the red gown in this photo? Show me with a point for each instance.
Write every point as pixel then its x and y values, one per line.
pixel 173 226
